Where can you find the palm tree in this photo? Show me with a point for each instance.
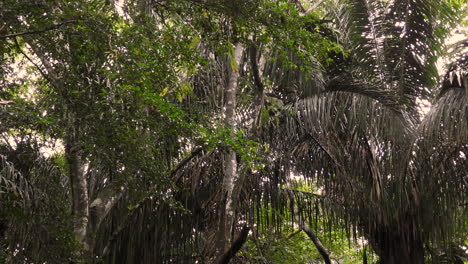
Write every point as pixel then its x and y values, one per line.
pixel 353 128
pixel 396 177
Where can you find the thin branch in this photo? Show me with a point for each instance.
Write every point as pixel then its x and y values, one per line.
pixel 312 8
pixel 293 234
pixel 33 63
pixel 184 162
pixel 53 27
pixel 299 6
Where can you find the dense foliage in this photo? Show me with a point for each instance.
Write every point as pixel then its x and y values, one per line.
pixel 216 131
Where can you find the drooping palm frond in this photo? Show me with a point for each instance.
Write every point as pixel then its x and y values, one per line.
pixel 440 187
pixel 440 161
pixel 447 121
pixel 360 137
pixel 14 187
pixel 289 80
pixel 395 44
pixel 417 29
pixel 380 164
pixel 173 225
pixel 44 203
pixel 359 30
pixel 208 83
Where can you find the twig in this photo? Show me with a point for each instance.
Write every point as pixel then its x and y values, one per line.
pixel 293 234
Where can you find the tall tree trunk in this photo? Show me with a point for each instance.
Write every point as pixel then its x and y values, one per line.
pixel 79 185
pixel 230 172
pixel 87 215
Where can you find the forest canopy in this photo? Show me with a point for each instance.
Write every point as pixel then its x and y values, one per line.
pixel 233 131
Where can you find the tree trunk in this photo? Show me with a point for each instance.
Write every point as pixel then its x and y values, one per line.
pixel 230 172
pixel 235 247
pixel 79 188
pixel 398 249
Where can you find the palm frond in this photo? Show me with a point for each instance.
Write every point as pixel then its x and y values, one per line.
pixel 447 120
pixel 415 31
pixel 395 44
pixel 14 187
pixel 364 142
pixel 289 79
pixel 44 201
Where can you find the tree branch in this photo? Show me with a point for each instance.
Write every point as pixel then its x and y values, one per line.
pixel 304 227
pixel 312 8
pixel 255 70
pixel 236 246
pixel 184 162
pixel 314 238
pixel 33 63
pixel 53 27
pixel 105 201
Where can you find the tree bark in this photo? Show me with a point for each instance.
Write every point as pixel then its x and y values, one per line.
pixel 79 187
pixel 230 172
pixel 105 200
pixel 235 247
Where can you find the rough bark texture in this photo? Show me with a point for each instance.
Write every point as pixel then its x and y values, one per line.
pixel 230 173
pixel 79 190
